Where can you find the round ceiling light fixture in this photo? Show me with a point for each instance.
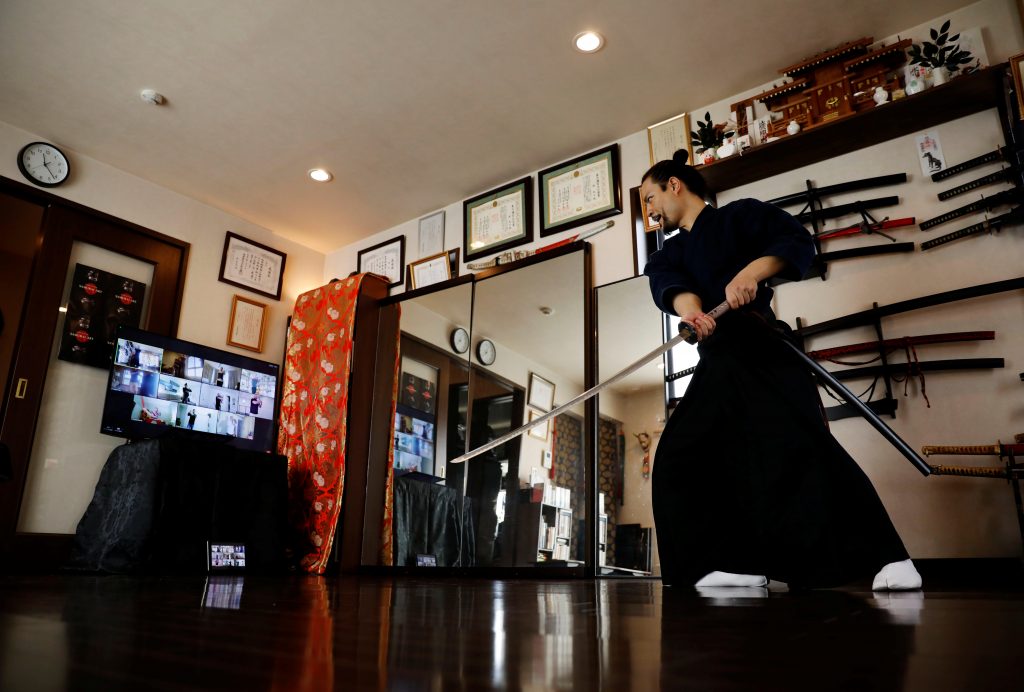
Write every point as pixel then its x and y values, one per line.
pixel 320 175
pixel 588 41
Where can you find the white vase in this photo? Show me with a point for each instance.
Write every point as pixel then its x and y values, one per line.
pixel 793 127
pixel 940 75
pixel 880 96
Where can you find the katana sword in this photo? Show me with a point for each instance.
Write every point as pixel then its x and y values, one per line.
pixel 803 196
pixel 1011 196
pixel 1000 154
pixel 1010 218
pixel 686 334
pixel 1003 175
pixel 863 409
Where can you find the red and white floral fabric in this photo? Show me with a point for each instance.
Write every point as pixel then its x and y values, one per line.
pixel 314 415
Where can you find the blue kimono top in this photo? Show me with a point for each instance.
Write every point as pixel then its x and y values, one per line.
pixel 722 242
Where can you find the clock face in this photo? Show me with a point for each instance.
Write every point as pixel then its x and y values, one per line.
pixel 460 340
pixel 43 164
pixel 485 352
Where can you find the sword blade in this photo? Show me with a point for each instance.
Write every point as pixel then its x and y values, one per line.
pixel 685 335
pixel 862 408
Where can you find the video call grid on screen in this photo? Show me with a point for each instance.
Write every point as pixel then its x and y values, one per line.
pixel 178 384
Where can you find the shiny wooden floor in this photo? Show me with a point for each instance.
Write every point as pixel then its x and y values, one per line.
pixel 408 633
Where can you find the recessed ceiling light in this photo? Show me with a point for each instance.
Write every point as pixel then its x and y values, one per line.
pixel 320 175
pixel 588 41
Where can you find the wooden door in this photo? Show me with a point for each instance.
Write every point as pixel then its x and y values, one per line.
pixel 62 224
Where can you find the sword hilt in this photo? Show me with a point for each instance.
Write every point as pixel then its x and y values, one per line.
pixel 687 328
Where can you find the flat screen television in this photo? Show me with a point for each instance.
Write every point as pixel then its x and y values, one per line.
pixel 159 383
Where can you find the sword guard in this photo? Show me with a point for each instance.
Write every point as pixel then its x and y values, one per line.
pixel 687 328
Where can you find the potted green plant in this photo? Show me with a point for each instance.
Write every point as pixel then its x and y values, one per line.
pixel 708 137
pixel 942 55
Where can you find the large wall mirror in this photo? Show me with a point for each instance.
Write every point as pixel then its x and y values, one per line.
pixel 631 418
pixel 529 495
pixel 477 359
pixel 427 427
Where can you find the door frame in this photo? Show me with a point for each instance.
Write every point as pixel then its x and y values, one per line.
pixel 65 222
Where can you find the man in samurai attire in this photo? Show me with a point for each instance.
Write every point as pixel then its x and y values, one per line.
pixel 749 483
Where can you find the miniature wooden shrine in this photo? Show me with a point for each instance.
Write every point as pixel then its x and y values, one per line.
pixel 834 84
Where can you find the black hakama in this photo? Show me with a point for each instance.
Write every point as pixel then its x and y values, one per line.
pixel 747 477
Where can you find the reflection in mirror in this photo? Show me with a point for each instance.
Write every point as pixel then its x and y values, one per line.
pixel 529 494
pixel 631 418
pixel 431 517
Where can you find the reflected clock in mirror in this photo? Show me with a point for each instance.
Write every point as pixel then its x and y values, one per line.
pixel 485 352
pixel 459 340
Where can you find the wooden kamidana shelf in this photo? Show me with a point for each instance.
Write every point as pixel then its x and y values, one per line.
pixel 960 97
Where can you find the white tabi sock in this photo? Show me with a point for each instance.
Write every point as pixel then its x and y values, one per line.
pixel 730 579
pixel 897 576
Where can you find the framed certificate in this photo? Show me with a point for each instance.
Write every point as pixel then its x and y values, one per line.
pixel 540 431
pixel 431 234
pixel 248 324
pixel 386 259
pixel 431 270
pixel 580 191
pixel 252 266
pixel 542 393
pixel 668 136
pixel 498 220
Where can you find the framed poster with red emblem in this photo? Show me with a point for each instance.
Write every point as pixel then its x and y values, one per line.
pixel 99 302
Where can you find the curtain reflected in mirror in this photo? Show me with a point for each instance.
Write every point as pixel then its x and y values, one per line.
pixel 432 520
pixel 632 416
pixel 529 494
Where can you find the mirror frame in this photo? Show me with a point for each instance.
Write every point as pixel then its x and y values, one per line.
pixel 381 425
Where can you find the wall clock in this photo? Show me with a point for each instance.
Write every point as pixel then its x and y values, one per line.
pixel 459 339
pixel 43 164
pixel 485 351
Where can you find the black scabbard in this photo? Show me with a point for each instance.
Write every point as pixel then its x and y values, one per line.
pixel 863 409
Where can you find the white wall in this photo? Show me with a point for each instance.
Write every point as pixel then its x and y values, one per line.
pixel 206 306
pixel 938 517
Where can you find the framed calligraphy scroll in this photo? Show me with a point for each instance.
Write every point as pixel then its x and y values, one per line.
pixel 385 259
pixel 580 191
pixel 248 324
pixel 252 266
pixel 498 219
pixel 664 138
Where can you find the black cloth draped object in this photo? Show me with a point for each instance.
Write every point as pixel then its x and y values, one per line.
pixel 434 520
pixel 159 502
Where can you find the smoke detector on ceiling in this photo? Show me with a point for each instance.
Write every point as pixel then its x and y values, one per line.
pixel 152 96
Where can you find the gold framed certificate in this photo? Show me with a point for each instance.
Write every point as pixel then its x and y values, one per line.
pixel 580 191
pixel 248 324
pixel 668 136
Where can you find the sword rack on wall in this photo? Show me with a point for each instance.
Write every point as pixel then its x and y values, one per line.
pixel 881 369
pixel 814 214
pixel 1012 471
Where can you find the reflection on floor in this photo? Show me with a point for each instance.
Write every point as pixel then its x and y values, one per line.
pixel 295 633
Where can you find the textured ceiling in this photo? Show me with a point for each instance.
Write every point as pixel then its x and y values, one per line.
pixel 412 105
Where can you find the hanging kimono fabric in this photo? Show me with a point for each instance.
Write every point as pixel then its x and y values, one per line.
pixel 314 415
